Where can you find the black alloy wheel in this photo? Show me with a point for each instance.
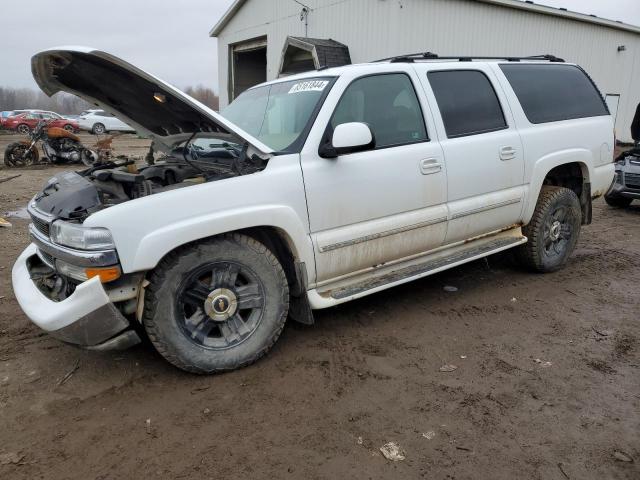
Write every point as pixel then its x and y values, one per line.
pixel 220 304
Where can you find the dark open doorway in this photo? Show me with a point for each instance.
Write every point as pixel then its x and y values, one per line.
pixel 248 66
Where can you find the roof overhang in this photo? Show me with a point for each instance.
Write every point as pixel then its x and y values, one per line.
pixel 233 9
pixel 561 12
pixel 517 4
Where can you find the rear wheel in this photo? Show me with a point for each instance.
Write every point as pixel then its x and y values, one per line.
pixel 553 231
pixel 617 201
pixel 218 305
pixel 69 128
pixel 98 129
pixel 23 128
pixel 16 155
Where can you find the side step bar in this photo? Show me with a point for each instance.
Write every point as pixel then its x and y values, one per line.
pixel 397 274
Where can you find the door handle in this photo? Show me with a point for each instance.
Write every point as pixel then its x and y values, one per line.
pixel 507 153
pixel 430 166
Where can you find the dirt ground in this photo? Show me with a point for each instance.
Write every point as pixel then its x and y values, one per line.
pixel 547 384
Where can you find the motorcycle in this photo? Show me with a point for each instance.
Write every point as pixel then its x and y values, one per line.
pixel 58 146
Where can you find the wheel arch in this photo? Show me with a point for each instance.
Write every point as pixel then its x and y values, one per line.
pixel 573 170
pixel 283 246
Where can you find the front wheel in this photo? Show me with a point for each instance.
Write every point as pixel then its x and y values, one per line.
pixel 23 128
pixel 69 128
pixel 553 231
pixel 19 155
pixel 98 129
pixel 217 305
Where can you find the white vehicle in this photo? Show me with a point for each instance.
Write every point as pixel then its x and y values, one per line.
pixel 100 121
pixel 307 192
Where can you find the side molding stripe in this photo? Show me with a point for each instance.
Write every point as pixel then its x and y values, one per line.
pixel 375 236
pixel 484 209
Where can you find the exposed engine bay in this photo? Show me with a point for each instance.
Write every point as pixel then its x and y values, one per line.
pixel 76 195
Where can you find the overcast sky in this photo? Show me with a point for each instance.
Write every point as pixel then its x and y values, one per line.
pixel 169 38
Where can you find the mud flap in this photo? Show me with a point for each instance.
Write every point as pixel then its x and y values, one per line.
pixel 299 306
pixel 587 204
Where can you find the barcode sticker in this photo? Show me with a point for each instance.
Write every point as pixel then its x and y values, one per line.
pixel 310 86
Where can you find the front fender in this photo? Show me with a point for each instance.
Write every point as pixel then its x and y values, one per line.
pixel 154 246
pixel 544 165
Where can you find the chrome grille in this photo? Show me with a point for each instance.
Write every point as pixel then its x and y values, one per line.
pixel 41 225
pixel 46 258
pixel 632 180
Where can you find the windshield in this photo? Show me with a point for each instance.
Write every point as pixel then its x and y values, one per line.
pixel 279 113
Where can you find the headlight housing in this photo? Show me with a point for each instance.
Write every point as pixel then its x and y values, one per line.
pixel 76 236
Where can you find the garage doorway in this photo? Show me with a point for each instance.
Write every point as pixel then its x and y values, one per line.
pixel 248 65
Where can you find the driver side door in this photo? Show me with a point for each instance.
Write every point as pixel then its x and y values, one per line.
pixel 369 208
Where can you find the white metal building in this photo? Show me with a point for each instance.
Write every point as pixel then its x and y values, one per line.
pixel 253 33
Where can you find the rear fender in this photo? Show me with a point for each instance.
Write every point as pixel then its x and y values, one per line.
pixel 582 157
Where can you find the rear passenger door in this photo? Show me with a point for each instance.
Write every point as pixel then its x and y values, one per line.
pixel 482 149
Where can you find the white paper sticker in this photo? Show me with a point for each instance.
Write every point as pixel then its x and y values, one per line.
pixel 310 86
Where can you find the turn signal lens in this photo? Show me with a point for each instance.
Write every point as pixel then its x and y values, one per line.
pixel 106 274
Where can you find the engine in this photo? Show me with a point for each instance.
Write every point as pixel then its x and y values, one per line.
pixel 64 148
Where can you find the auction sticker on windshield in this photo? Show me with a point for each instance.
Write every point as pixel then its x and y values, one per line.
pixel 310 86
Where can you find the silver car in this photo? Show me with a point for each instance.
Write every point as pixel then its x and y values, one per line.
pixel 626 184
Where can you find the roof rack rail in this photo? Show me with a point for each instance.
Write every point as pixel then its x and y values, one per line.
pixel 413 57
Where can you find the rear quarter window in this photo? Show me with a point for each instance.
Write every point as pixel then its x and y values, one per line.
pixel 552 93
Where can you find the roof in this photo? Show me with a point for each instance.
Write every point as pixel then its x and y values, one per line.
pixel 517 4
pixel 329 52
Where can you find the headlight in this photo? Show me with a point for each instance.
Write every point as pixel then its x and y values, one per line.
pixel 76 236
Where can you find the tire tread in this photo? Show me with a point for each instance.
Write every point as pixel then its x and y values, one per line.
pixel 527 254
pixel 158 277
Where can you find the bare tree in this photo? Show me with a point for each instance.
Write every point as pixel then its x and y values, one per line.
pixel 24 98
pixel 67 104
pixel 205 95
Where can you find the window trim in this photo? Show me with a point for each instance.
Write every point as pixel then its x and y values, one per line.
pixel 479 132
pixel 328 132
pixel 578 67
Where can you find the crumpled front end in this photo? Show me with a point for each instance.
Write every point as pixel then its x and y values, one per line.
pixel 87 317
pixel 626 182
pixel 77 295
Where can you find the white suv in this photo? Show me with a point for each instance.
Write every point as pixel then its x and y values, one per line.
pixel 99 122
pixel 307 192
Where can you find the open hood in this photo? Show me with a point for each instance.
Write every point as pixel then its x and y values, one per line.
pixel 145 102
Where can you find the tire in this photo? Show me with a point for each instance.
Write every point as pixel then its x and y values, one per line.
pixel 183 327
pixel 14 155
pixel 98 129
pixel 69 128
pixel 617 201
pixel 552 232
pixel 23 129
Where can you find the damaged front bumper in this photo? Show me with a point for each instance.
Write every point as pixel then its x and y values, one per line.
pixel 87 318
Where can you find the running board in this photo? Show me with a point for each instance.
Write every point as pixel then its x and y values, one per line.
pixel 397 274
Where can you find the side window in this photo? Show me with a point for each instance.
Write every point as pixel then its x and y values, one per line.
pixel 467 102
pixel 388 104
pixel 550 93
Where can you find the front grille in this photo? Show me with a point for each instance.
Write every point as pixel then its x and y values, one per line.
pixel 41 225
pixel 632 180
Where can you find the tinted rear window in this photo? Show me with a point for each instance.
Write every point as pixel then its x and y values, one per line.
pixel 467 102
pixel 551 93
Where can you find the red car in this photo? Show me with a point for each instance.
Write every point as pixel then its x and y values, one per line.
pixel 25 122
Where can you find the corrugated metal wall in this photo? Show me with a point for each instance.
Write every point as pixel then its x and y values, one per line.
pixel 381 28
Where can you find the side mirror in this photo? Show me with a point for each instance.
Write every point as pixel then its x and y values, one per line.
pixel 348 138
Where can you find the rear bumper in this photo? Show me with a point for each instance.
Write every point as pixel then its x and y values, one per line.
pixel 87 318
